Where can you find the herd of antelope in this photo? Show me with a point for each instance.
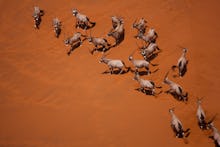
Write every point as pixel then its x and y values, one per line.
pixel 148 50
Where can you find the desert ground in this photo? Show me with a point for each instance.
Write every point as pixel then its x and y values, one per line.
pixel 50 99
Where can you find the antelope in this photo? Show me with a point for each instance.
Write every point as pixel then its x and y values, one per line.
pixel 146 85
pixel 216 135
pixel 182 63
pixel 98 42
pixel 37 16
pixel 149 50
pixel 175 89
pixel 202 117
pixel 151 36
pixel 118 33
pixel 76 38
pixel 140 26
pixel 82 20
pixel 114 63
pixel 177 126
pixel 57 26
pixel 116 21
pixel 138 63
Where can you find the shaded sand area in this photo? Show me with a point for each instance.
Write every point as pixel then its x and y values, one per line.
pixel 50 99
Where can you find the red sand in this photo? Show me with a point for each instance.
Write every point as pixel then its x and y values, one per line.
pixel 50 99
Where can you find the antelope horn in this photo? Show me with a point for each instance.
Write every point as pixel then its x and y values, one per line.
pixel 138 45
pixel 173 108
pixel 199 99
pixel 135 20
pixel 64 35
pixel 213 118
pixel 104 55
pixel 166 75
pixel 180 46
pixel 132 53
pixel 144 45
pixel 90 32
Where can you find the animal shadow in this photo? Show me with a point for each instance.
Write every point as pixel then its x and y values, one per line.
pixel 87 27
pixel 148 92
pixel 142 73
pixel 58 32
pixel 183 98
pixel 152 57
pixel 215 141
pixel 99 50
pixel 116 72
pixel 119 40
pixel 144 91
pixel 73 47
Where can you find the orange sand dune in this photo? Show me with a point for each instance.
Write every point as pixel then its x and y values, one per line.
pixel 50 99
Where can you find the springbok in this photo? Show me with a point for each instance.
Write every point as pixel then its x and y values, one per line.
pixel 175 89
pixel 216 135
pixel 177 126
pixel 182 63
pixel 37 16
pixel 151 36
pixel 140 26
pixel 82 20
pixel 114 63
pixel 145 85
pixel 57 26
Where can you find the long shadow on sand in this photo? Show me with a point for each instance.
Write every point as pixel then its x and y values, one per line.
pixel 148 92
pixel 73 47
pixel 84 27
pixel 116 72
